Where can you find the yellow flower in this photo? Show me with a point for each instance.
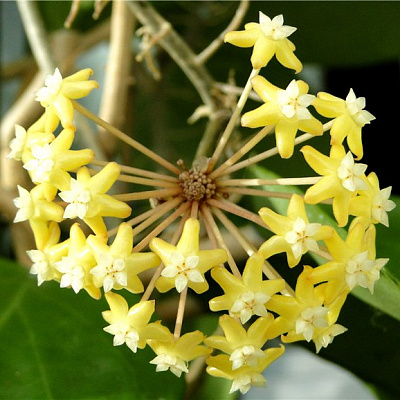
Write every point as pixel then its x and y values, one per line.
pixel 342 179
pixel 57 93
pixel 87 200
pixel 349 115
pixel 373 204
pixel 22 144
pixel 48 252
pixel 247 296
pixel 76 265
pixel 287 108
pixel 117 267
pixel 354 263
pixel 128 325
pixel 51 161
pixel 308 315
pixel 246 376
pixel 269 38
pixel 243 348
pixel 36 207
pixel 174 353
pixel 294 235
pixel 185 264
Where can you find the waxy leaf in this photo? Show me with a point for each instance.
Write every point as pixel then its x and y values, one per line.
pixel 52 346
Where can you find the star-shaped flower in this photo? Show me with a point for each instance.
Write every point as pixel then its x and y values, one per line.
pixel 269 38
pixel 128 325
pixel 76 265
pixel 246 376
pixel 342 179
pixel 185 264
pixel 117 267
pixel 285 108
pixel 49 252
pixel 51 161
pixel 310 314
pixel 372 205
pixel 21 145
pixel 354 263
pixel 38 208
pixel 174 353
pixel 243 347
pixel 349 118
pixel 88 200
pixel 294 234
pixel 247 296
pixel 57 93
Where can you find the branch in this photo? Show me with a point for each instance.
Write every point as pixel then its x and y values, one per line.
pixel 216 44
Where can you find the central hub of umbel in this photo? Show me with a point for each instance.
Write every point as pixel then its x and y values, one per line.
pixel 196 185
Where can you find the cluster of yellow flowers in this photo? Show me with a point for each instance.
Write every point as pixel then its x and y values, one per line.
pixel 256 309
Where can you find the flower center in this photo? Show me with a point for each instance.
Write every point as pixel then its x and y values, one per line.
pixel 196 185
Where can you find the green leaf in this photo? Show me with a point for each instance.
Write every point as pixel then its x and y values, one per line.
pixel 369 31
pixel 386 297
pixel 52 346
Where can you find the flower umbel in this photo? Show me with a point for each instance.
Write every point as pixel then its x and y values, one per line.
pixel 195 227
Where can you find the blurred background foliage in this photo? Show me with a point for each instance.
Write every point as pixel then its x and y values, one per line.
pixel 50 338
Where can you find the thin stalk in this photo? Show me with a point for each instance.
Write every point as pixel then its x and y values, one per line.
pixel 126 139
pixel 272 152
pixel 259 182
pixel 232 122
pixel 137 171
pixel 256 192
pixel 269 271
pixel 168 221
pixel 148 194
pixel 157 215
pixel 213 227
pixel 264 155
pixel 157 273
pixel 154 213
pixel 237 210
pixel 180 313
pixel 242 151
pixel 146 182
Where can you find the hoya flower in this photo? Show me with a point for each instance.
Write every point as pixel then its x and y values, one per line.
pixel 34 205
pixel 128 325
pixel 246 376
pixel 269 37
pixel 243 347
pixel 287 108
pixel 354 263
pixel 38 208
pixel 174 354
pixel 51 251
pixel 51 161
pixel 117 266
pixel 185 264
pixel 87 199
pixel 294 234
pixel 76 265
pixel 25 139
pixel 308 314
pixel 248 295
pixel 349 118
pixel 341 180
pixel 373 204
pixel 57 94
